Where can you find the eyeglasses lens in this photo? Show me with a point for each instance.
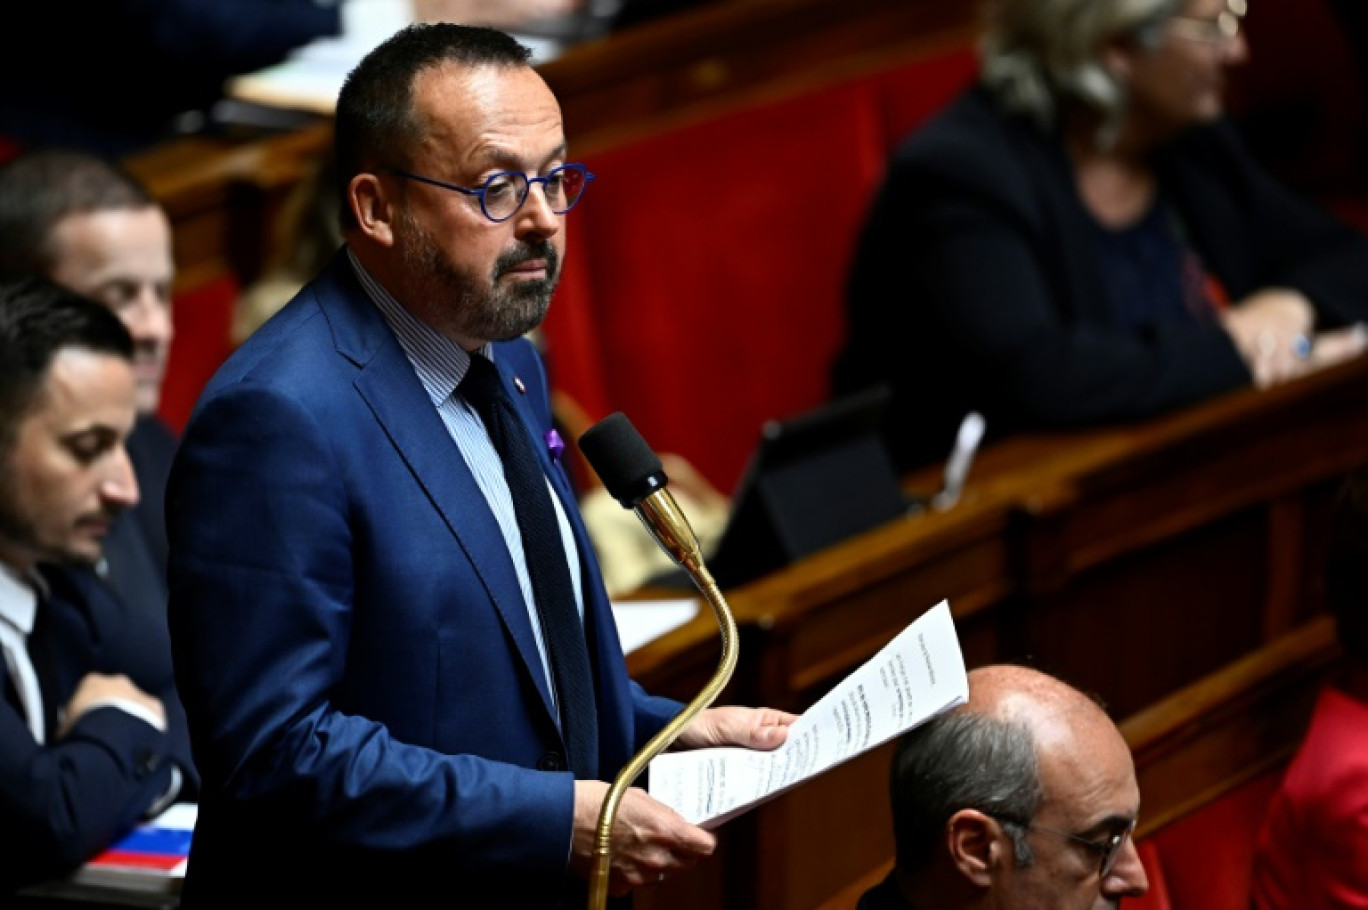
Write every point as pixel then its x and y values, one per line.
pixel 564 187
pixel 1113 853
pixel 505 193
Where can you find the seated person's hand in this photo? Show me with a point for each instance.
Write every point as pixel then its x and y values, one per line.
pixel 98 690
pixel 1338 345
pixel 1270 329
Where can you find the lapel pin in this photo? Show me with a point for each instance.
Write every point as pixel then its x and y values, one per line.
pixel 518 383
pixel 555 445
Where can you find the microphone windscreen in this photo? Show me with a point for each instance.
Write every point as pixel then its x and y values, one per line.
pixel 619 455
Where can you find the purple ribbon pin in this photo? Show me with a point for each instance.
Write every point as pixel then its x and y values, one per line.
pixel 555 445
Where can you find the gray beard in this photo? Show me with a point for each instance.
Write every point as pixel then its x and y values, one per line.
pixel 481 309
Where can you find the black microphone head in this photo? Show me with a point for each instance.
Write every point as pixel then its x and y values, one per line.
pixel 619 455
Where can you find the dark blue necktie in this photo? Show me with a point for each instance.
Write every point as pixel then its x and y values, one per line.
pixel 545 554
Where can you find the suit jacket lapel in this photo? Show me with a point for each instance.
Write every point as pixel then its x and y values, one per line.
pixel 401 406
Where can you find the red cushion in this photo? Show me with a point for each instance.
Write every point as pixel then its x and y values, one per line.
pixel 716 259
pixel 1206 857
pixel 909 95
pixel 203 319
pixel 1157 898
pixel 704 287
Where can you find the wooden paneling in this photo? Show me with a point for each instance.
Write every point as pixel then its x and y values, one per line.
pixel 726 55
pixel 1231 726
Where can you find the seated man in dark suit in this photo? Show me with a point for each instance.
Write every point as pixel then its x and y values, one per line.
pixel 89 225
pixel 92 736
pixel 1025 796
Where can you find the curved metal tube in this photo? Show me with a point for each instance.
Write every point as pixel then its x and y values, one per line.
pixel 671 530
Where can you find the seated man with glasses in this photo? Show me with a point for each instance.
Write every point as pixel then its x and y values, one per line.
pixel 1025 796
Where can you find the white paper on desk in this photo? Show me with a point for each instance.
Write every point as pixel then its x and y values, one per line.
pixel 917 675
pixel 640 622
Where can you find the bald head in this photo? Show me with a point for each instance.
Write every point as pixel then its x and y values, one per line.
pixel 974 789
pixel 1054 712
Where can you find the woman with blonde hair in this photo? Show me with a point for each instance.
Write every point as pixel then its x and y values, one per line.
pixel 1082 238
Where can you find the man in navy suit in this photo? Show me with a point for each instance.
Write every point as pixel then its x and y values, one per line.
pixel 360 649
pixel 92 738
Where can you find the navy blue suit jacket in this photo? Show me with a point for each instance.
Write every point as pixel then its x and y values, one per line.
pixel 366 700
pixel 65 800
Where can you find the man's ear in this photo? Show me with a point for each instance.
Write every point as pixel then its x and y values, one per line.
pixel 975 849
pixel 373 209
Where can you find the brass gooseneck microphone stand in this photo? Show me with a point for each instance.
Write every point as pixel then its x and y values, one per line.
pixel 665 521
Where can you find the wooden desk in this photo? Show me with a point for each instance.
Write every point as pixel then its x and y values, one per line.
pixel 1131 561
pixel 223 195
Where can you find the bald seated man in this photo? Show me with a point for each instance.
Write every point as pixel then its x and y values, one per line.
pixel 1024 797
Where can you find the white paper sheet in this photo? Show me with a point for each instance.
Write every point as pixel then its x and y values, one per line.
pixel 640 622
pixel 917 675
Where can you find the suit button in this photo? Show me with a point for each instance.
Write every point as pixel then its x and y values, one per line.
pixel 551 761
pixel 147 764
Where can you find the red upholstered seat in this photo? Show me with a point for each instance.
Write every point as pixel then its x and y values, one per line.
pixel 909 95
pixel 1158 896
pixel 1203 860
pixel 715 261
pixel 704 283
pixel 203 319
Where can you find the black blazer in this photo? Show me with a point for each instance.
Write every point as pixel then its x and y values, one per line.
pixel 62 802
pixel 974 285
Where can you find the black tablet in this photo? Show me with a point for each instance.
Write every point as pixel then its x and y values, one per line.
pixel 813 480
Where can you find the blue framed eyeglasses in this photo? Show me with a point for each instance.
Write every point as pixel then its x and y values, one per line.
pixel 503 194
pixel 1108 850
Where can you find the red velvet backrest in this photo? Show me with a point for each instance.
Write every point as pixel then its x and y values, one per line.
pixel 715 260
pixel 909 95
pixel 1157 898
pixel 704 281
pixel 203 318
pixel 1203 861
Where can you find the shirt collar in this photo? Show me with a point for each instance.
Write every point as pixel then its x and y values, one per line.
pixel 19 597
pixel 441 363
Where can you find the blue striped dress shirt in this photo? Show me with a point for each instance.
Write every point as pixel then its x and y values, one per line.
pixel 441 364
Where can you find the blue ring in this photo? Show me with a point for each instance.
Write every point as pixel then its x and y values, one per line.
pixel 1301 346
